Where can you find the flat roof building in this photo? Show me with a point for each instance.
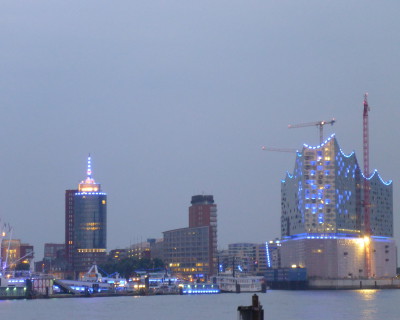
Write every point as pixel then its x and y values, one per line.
pixel 192 252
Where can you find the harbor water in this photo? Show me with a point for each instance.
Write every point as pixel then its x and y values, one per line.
pixel 277 304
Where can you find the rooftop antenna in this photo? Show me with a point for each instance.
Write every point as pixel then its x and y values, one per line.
pixel 89 167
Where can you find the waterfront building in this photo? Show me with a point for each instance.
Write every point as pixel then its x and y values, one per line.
pixel 243 256
pixel 14 252
pixel 86 219
pixel 53 251
pixel 322 220
pixel 273 256
pixel 250 258
pixel 69 226
pixel 192 252
pixel 54 261
pixel 203 213
pixel 260 265
pixel 146 249
pixel 186 252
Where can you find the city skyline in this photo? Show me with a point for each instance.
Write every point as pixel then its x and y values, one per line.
pixel 176 100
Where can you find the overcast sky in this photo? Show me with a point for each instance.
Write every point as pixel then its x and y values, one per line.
pixel 176 98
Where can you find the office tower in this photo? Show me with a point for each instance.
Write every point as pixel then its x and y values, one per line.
pixel 203 213
pixel 322 221
pixel 192 252
pixel 88 219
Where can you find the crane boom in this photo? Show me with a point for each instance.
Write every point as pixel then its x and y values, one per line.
pixel 319 124
pixel 279 149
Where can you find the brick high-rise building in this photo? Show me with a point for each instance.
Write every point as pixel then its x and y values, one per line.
pixel 203 213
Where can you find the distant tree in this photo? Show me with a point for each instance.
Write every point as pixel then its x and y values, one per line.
pixel 22 266
pixel 127 267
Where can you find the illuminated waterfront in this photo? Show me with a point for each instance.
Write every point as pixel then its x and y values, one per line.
pixel 279 305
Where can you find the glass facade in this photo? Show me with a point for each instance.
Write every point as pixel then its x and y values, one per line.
pixel 323 223
pixel 90 230
pixel 325 195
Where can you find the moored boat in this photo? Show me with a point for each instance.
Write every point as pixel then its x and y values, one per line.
pixel 240 283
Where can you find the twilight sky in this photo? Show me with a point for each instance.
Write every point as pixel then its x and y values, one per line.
pixel 176 98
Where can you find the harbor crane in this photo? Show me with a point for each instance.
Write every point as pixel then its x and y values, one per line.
pixel 319 124
pixel 279 149
pixel 367 204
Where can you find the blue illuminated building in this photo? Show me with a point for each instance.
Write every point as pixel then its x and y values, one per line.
pixel 322 216
pixel 90 224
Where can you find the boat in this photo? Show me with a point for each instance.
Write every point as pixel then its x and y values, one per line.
pixel 92 282
pixel 199 288
pixel 240 283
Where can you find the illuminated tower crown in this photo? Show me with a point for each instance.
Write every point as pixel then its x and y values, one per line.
pixel 89 185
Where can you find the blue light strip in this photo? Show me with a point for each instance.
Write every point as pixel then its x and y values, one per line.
pixel 322 144
pixel 268 258
pixel 388 183
pixel 200 291
pixel 385 239
pixel 90 193
pixel 330 236
pixel 89 167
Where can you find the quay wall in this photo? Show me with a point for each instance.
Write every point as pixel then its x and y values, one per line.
pixel 351 284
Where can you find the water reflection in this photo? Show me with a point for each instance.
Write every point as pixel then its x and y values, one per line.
pixel 368 294
pixel 369 307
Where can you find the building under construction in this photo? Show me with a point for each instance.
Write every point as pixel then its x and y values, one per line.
pixel 337 221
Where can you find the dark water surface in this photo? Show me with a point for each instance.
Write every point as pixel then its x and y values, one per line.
pixel 278 305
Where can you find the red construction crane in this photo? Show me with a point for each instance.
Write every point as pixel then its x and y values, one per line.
pixel 319 124
pixel 366 136
pixel 367 205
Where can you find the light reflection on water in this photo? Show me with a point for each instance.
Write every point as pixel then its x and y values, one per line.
pixel 277 304
pixel 369 309
pixel 368 294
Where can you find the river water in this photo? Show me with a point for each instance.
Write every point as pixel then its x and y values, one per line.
pixel 277 304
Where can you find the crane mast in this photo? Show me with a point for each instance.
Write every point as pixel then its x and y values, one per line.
pixel 366 136
pixel 367 205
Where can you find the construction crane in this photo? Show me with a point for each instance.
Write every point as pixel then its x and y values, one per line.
pixel 367 205
pixel 279 149
pixel 319 124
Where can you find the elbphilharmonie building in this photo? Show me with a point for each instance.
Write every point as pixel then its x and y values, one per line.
pixel 323 217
